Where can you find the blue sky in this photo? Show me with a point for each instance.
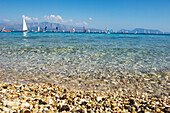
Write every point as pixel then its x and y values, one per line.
pixel 116 14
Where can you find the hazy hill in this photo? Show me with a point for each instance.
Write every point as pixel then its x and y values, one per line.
pixel 42 25
pixel 141 30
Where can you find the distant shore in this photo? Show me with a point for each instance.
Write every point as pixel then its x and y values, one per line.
pixel 92 32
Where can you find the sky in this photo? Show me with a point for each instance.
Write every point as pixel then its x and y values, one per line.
pixel 115 14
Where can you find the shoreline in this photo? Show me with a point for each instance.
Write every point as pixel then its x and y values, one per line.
pixel 48 97
pixel 86 33
pixel 154 83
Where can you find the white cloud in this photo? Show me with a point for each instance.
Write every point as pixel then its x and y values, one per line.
pixel 57 19
pixel 34 18
pixel 85 23
pixel 52 16
pixel 60 19
pixel 26 17
pixel 90 18
pixel 6 20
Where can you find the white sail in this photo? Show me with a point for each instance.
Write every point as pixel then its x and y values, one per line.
pixel 24 24
pixel 38 29
pixel 73 30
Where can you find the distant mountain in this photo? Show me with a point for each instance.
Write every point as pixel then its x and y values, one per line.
pixel 42 25
pixel 166 32
pixel 142 30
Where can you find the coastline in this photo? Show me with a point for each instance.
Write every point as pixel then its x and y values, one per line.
pixel 118 33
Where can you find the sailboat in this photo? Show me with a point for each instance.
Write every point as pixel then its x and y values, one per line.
pixel 3 30
pixel 148 32
pixel 73 30
pixel 107 30
pixel 56 29
pixel 25 29
pixel 88 30
pixel 144 31
pixel 45 28
pixel 84 29
pixel 110 31
pixel 38 29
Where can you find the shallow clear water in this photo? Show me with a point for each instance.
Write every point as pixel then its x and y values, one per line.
pixel 67 54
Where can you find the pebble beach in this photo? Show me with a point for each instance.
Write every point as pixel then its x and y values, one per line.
pixel 122 94
pixel 51 98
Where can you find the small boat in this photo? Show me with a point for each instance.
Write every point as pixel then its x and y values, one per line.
pixel 38 29
pixel 56 29
pixel 45 29
pixel 84 30
pixel 69 31
pixel 136 32
pixel 3 30
pixel 25 29
pixel 88 30
pixel 107 30
pixel 73 30
pixel 7 31
pixel 110 31
pixel 144 31
pixel 148 32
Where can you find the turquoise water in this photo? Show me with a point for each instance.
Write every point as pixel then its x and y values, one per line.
pixel 64 54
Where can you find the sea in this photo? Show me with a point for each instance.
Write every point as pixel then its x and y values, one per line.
pixel 79 54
